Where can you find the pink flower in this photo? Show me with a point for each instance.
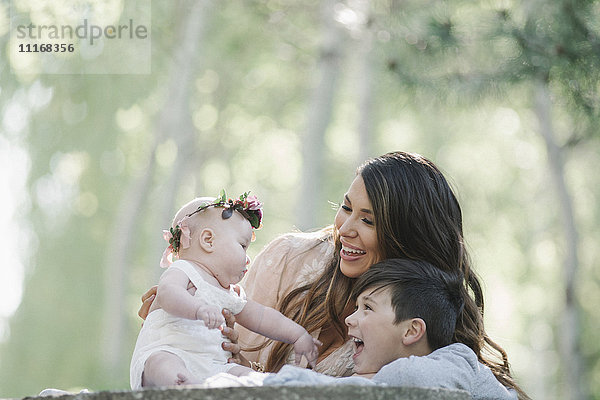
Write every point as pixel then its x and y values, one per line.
pixel 253 203
pixel 185 238
pixel 167 256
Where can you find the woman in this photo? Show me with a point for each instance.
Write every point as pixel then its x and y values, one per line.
pixel 398 206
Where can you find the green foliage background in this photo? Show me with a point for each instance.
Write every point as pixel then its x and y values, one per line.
pixel 454 81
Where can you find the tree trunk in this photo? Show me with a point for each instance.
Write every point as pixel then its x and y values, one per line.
pixel 174 117
pixel 569 326
pixel 319 116
pixel 121 242
pixel 365 86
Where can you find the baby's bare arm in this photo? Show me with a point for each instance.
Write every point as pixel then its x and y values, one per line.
pixel 172 295
pixel 269 322
pixel 273 324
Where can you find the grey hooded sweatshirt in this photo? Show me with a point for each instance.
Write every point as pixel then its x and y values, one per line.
pixel 452 367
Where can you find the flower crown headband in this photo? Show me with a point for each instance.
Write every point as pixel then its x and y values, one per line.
pixel 179 237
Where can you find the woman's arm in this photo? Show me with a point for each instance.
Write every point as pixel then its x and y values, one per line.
pixel 276 270
pixel 262 284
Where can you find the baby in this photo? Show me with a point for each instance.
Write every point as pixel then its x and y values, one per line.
pixel 180 342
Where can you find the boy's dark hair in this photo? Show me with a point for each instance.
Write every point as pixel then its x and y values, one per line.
pixel 418 290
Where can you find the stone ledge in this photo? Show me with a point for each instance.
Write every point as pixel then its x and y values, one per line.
pixel 274 392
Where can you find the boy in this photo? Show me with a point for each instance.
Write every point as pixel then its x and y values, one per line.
pixel 403 330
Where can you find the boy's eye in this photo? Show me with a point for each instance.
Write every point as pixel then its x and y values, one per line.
pixel 346 208
pixel 367 307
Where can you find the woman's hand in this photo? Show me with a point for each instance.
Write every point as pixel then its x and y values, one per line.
pixel 147 299
pixel 232 335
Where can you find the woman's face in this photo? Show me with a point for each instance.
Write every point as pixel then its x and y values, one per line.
pixel 356 226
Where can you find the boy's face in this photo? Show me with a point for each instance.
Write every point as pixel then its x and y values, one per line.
pixel 377 340
pixel 232 239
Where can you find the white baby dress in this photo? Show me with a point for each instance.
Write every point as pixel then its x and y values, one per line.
pixel 198 347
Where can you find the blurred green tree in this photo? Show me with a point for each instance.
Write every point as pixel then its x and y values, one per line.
pixel 234 101
pixel 549 49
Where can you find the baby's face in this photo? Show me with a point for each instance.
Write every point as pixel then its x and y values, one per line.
pixel 232 239
pixel 377 340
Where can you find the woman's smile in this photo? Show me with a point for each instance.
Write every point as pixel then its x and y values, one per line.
pixel 351 253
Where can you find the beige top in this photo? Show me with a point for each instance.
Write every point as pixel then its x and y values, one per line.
pixel 288 262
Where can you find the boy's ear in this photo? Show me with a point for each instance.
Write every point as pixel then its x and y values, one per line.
pixel 206 239
pixel 415 331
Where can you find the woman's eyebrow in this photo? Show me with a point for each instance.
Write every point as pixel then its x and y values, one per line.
pixel 365 210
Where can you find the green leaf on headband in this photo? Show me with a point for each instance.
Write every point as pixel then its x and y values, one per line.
pixel 253 218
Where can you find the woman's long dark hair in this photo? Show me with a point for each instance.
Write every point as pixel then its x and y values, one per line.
pixel 417 216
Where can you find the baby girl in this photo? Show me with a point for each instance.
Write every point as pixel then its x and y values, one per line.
pixel 180 342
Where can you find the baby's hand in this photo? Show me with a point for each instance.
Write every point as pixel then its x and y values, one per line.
pixel 306 346
pixel 211 315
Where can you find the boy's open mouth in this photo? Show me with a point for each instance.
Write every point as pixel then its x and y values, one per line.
pixel 358 346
